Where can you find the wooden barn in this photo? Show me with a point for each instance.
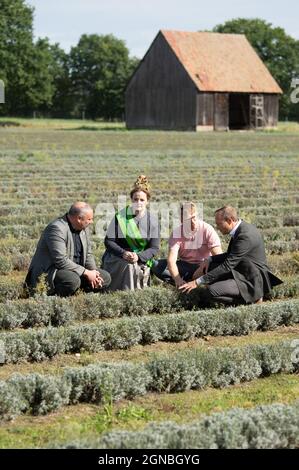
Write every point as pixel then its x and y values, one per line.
pixel 201 81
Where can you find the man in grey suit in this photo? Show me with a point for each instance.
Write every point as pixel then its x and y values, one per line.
pixel 64 254
pixel 241 275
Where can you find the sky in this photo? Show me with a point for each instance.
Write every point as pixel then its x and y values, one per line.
pixel 138 21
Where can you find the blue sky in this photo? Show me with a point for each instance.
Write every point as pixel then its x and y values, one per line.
pixel 138 21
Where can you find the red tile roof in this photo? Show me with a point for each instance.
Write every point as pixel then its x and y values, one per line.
pixel 221 62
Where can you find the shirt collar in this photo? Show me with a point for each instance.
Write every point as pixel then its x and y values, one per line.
pixel 233 231
pixel 71 227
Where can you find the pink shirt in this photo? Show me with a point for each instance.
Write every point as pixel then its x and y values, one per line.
pixel 196 246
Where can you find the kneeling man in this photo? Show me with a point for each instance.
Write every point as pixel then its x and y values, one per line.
pixel 241 275
pixel 64 254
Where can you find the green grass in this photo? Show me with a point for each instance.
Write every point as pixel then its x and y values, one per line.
pixel 38 123
pixel 70 124
pixel 79 136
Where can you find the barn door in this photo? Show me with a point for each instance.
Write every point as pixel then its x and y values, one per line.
pixel 221 111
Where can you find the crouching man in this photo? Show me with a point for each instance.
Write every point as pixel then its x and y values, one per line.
pixel 241 275
pixel 64 255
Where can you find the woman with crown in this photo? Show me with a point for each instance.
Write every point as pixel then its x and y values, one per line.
pixel 132 241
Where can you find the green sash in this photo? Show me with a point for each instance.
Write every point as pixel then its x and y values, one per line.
pixel 131 233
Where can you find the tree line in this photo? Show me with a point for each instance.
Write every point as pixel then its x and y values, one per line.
pixel 42 79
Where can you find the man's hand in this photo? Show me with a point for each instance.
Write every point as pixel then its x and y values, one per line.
pixel 130 256
pixel 94 278
pixel 188 287
pixel 202 269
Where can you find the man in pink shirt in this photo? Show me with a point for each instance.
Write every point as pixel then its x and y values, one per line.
pixel 189 244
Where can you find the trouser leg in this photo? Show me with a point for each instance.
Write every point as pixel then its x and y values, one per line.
pixel 160 270
pixel 226 291
pixel 186 270
pixel 66 282
pixel 106 278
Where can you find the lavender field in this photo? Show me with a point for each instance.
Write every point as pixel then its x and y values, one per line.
pixel 95 369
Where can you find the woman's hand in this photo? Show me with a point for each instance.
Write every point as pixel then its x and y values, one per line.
pixel 130 257
pixel 135 257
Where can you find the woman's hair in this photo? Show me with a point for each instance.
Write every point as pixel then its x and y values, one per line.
pixel 141 184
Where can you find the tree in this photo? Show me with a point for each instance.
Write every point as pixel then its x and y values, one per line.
pixel 40 76
pixel 54 70
pixel 100 67
pixel 24 64
pixel 16 39
pixel 279 51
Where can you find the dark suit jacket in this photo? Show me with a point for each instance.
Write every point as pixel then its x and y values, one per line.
pixel 245 261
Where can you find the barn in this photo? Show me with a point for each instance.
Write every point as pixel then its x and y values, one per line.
pixel 201 81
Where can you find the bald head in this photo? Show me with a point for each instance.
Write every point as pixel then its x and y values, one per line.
pixel 80 215
pixel 79 208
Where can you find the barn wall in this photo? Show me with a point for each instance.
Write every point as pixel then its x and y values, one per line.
pixel 205 111
pixel 212 111
pixel 161 94
pixel 221 111
pixel 271 106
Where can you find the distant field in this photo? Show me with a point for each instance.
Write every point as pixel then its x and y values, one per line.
pixel 60 124
pixel 45 165
pixel 100 125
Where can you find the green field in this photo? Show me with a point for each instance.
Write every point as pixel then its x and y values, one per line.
pixel 45 166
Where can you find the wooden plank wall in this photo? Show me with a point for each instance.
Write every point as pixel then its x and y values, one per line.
pixel 221 111
pixel 271 107
pixel 205 109
pixel 161 94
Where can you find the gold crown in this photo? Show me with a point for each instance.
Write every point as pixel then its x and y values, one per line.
pixel 142 184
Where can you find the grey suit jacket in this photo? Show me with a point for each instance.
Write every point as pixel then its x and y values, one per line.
pixel 55 250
